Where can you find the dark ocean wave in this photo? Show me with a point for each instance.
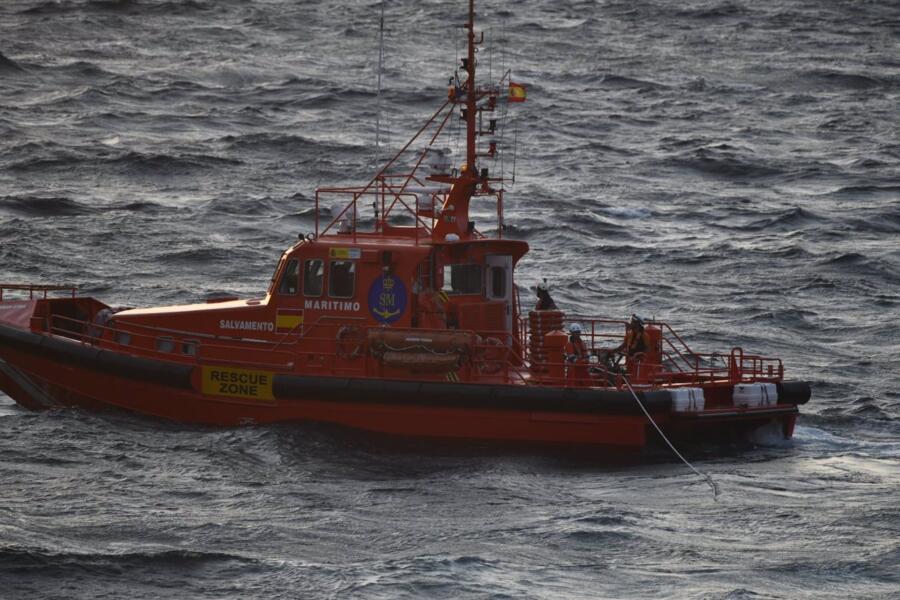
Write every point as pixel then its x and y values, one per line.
pixel 289 143
pixel 846 418
pixel 722 162
pixel 622 82
pixel 40 561
pixel 868 273
pixel 85 71
pixel 127 7
pixel 790 318
pixel 846 259
pixel 800 99
pixel 137 163
pixel 140 206
pixel 713 11
pixel 202 256
pixel 14 152
pixel 39 206
pixel 604 538
pixel 869 164
pixel 856 190
pixel 598 148
pixel 837 79
pixel 868 407
pixel 244 206
pixel 307 216
pixel 786 220
pixel 878 223
pixel 8 65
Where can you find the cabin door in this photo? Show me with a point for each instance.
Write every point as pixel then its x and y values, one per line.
pixel 499 284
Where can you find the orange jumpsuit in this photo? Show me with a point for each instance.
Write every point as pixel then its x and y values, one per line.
pixel 576 354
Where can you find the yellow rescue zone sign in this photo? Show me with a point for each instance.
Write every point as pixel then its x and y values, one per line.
pixel 237 383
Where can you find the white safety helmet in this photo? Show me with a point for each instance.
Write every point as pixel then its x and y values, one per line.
pixel 575 328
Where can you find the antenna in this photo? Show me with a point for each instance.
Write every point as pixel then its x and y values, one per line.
pixel 491 55
pixel 515 149
pixel 380 69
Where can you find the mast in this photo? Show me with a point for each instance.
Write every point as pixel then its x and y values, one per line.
pixel 380 69
pixel 454 220
pixel 470 93
pixel 449 223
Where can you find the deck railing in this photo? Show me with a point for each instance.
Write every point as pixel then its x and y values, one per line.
pixel 33 288
pixel 386 196
pixel 678 363
pixel 314 349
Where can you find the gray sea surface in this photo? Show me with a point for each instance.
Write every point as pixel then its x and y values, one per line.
pixel 731 167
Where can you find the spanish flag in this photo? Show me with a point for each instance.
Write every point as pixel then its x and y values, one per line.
pixel 516 92
pixel 289 320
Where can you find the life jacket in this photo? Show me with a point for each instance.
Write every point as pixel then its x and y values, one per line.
pixel 635 344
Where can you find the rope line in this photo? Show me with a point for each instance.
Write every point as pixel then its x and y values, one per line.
pixel 707 477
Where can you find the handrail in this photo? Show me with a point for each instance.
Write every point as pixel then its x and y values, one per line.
pixel 513 360
pixel 92 334
pixel 390 163
pixel 676 367
pixel 357 195
pixel 31 288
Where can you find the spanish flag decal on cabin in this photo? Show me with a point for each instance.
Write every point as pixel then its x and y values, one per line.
pixel 516 92
pixel 289 320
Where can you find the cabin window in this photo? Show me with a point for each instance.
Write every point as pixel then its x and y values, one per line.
pixel 123 338
pixel 313 274
pixel 291 278
pixel 342 279
pixel 189 347
pixel 498 282
pixel 165 344
pixel 462 279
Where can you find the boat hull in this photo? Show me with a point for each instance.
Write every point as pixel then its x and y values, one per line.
pixel 41 383
pixel 40 371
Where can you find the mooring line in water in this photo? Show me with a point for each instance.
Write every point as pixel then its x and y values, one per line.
pixel 707 477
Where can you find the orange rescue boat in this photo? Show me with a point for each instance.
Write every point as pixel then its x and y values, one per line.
pixel 411 327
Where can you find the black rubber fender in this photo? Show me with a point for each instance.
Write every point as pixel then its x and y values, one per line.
pixel 70 352
pixel 793 392
pixel 145 369
pixel 469 396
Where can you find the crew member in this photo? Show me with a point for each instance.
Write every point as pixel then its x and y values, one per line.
pixel 576 355
pixel 545 302
pixel 637 342
pixel 575 349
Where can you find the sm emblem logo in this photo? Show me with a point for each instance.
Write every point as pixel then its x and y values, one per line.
pixel 387 299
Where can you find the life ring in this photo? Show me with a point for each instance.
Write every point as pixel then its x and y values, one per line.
pixel 493 355
pixel 350 341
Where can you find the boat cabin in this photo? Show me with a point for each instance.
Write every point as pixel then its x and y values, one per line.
pixel 392 282
pixel 332 299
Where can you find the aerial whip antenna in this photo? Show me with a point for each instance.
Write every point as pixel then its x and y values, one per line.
pixel 380 68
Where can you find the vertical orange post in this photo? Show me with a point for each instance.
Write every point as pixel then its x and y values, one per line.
pixel 653 355
pixel 555 346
